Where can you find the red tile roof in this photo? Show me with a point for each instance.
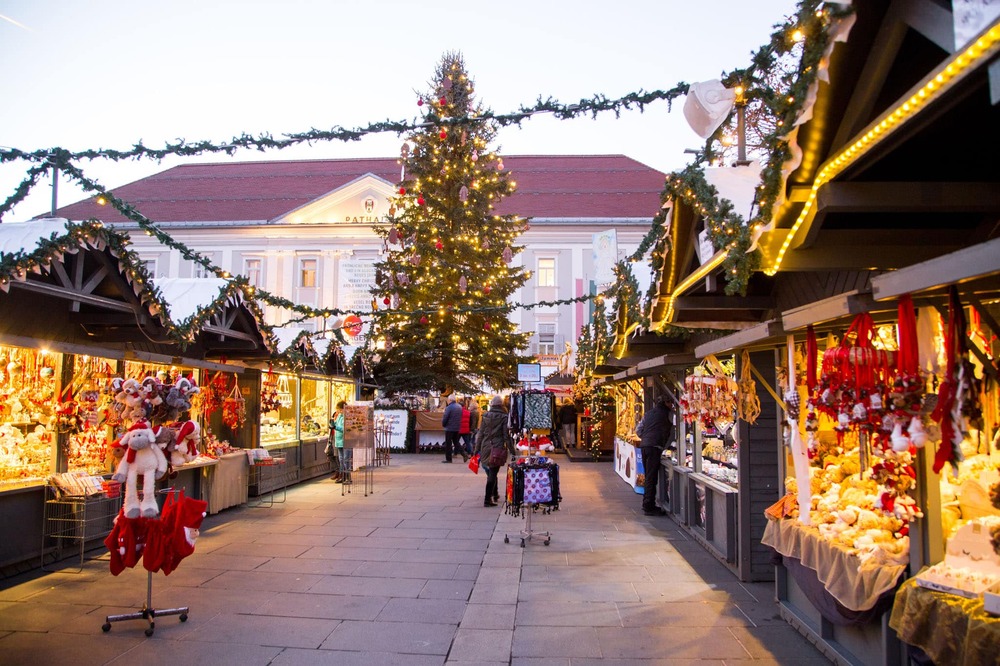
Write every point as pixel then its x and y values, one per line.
pixel 585 186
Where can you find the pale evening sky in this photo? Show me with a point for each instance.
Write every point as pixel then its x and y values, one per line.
pixel 107 73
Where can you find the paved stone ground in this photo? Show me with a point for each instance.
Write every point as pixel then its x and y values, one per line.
pixel 416 573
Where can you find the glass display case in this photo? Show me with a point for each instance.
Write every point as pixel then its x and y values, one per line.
pixel 315 410
pixel 29 401
pixel 278 426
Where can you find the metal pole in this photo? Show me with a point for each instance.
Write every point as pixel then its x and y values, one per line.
pixel 55 189
pixel 741 131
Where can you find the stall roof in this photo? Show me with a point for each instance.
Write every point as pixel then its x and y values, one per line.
pixel 50 264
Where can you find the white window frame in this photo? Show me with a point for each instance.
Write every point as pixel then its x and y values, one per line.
pixel 547 338
pixel 255 277
pixel 303 272
pixel 545 276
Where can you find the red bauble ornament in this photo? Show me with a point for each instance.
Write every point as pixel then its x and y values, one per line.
pixel 386 300
pixel 402 190
pixel 439 245
pixel 486 289
pixel 442 101
pixel 420 201
pixel 420 101
pixel 487 326
pixel 423 319
pixel 443 135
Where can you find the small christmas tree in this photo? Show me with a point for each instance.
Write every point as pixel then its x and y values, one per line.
pixel 446 275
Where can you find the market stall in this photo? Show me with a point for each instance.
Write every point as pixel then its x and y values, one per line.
pixel 71 385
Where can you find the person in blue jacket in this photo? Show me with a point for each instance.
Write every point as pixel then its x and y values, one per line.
pixel 452 423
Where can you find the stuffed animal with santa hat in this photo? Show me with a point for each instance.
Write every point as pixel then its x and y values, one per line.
pixel 188 436
pixel 142 458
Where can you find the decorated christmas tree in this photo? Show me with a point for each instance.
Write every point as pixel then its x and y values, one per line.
pixel 446 277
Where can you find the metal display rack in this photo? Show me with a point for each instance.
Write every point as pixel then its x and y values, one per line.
pixel 270 472
pixel 529 508
pixel 78 519
pixel 148 613
pixel 383 435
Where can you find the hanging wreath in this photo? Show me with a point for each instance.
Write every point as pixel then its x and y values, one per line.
pixel 747 403
pixel 234 407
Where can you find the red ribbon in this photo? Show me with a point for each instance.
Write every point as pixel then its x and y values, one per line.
pixel 908 353
pixel 811 352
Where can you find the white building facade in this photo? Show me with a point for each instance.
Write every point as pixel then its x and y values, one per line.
pixel 279 225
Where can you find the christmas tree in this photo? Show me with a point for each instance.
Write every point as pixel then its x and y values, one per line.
pixel 446 276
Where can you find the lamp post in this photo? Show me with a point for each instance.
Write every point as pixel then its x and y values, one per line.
pixel 741 127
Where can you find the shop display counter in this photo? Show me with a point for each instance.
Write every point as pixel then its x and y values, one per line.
pixel 429 433
pixel 843 609
pixel 714 515
pixel 226 482
pixel 950 629
pixel 315 462
pixel 679 492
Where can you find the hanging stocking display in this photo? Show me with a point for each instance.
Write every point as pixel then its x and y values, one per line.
pixel 957 396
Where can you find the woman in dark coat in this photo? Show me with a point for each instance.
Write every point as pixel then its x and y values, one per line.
pixel 493 435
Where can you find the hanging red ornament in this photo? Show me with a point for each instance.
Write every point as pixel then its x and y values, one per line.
pixel 420 201
pixel 423 319
pixel 487 326
pixel 402 191
pixel 487 289
pixel 386 300
pixel 442 101
pixel 443 135
pixel 420 101
pixel 439 245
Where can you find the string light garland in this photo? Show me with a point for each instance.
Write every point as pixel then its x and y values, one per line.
pixel 810 31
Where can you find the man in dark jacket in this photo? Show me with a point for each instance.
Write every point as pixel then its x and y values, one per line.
pixel 452 423
pixel 654 431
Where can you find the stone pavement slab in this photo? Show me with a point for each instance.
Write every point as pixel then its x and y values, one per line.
pixel 416 573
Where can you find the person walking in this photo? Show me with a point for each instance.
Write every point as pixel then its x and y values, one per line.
pixel 344 461
pixel 654 431
pixel 465 428
pixel 451 421
pixel 475 416
pixel 493 435
pixel 567 421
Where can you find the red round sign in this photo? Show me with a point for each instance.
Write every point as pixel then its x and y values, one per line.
pixel 352 324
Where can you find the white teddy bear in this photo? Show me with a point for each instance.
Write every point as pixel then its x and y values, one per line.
pixel 141 457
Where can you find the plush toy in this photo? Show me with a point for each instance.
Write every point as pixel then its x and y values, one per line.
pixel 179 396
pixel 130 395
pixel 141 457
pixel 166 440
pixel 188 437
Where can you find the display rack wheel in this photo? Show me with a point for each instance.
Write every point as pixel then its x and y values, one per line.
pixel 106 627
pixel 506 539
pixel 149 631
pixel 545 543
pixel 522 543
pixel 184 617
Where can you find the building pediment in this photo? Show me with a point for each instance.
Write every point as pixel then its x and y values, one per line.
pixel 364 200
